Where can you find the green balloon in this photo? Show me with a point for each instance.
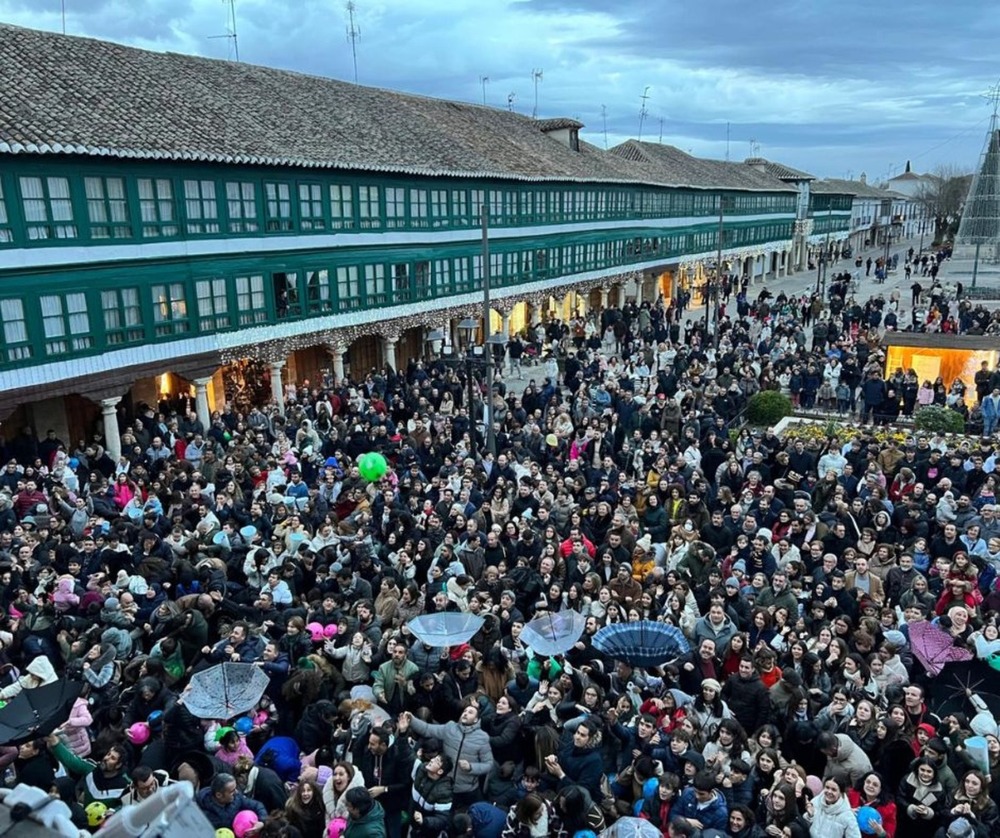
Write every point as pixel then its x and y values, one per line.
pixel 372 466
pixel 994 661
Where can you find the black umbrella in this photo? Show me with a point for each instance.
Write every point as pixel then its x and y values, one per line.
pixel 946 692
pixel 37 712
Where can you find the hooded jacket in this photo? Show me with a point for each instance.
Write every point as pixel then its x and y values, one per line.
pixel 369 825
pixel 40 673
pixel 334 803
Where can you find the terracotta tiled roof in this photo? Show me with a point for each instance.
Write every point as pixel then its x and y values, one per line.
pixel 672 166
pixel 70 95
pixel 853 187
pixel 778 170
pixel 557 123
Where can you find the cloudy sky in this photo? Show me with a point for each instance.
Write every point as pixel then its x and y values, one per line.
pixel 836 87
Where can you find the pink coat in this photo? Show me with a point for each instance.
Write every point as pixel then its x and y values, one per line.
pixel 75 729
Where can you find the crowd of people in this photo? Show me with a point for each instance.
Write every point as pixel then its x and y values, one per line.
pixel 795 569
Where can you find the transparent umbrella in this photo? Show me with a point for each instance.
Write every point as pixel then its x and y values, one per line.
pixel 631 828
pixel 226 690
pixel 445 629
pixel 555 633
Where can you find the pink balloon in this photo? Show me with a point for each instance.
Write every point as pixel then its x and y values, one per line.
pixel 336 827
pixel 138 734
pixel 315 631
pixel 330 631
pixel 244 822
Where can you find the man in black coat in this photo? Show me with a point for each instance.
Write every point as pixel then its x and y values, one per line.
pixel 34 766
pixel 747 696
pixel 386 762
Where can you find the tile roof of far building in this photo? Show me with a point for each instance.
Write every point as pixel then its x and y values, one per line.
pixel 853 187
pixel 778 170
pixel 672 166
pixel 67 95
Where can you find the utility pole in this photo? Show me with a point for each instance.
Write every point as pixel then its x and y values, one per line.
pixel 642 110
pixel 727 142
pixel 661 130
pixel 353 33
pixel 491 443
pixel 484 80
pixel 604 119
pixel 64 16
pixel 714 288
pixel 536 76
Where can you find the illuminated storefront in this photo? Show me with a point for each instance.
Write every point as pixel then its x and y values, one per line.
pixel 947 356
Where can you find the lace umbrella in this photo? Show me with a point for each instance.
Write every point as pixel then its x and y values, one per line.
pixel 631 828
pixel 934 647
pixel 553 634
pixel 225 690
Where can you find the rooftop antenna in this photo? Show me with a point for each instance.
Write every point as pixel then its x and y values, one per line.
pixel 661 130
pixel 642 110
pixel 484 80
pixel 353 33
pixel 230 35
pixel 604 119
pixel 536 76
pixel 727 142
pixel 510 100
pixel 64 15
pixel 754 147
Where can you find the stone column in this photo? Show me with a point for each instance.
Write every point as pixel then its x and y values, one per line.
pixel 506 324
pixel 604 299
pixel 112 436
pixel 337 351
pixel 201 406
pixel 277 388
pixel 638 290
pixel 389 350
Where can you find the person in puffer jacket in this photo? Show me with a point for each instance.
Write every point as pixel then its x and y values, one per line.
pixel 829 813
pixel 432 796
pixel 74 731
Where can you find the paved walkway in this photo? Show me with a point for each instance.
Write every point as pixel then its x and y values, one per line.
pixel 804 282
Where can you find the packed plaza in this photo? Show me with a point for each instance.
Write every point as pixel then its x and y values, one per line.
pixel 388 586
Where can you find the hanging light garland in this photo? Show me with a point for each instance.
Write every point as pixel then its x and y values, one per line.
pixel 274 349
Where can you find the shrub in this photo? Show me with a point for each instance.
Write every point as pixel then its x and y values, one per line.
pixel 768 407
pixel 942 420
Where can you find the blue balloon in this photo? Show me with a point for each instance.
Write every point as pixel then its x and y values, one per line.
pixel 243 725
pixel 650 787
pixel 866 814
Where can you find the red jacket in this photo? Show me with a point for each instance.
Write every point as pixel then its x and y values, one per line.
pixel 887 811
pixel 567 547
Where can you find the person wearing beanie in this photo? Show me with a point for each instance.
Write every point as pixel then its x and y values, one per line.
pixel 712 684
pixel 960 828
